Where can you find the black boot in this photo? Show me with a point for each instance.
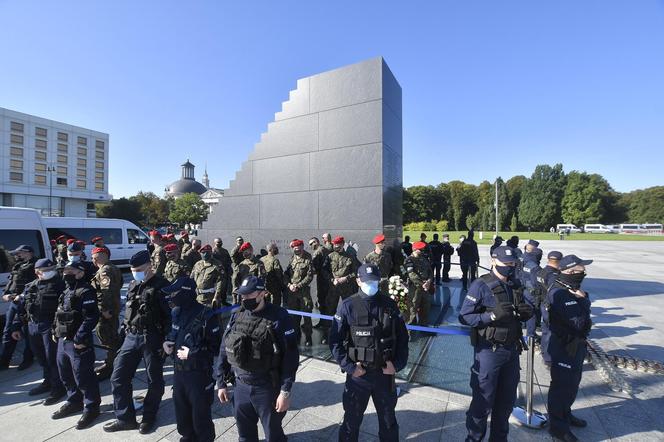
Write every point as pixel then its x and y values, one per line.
pixel 42 388
pixel 55 396
pixel 116 425
pixel 147 426
pixel 25 364
pixel 67 410
pixel 577 422
pixel 89 416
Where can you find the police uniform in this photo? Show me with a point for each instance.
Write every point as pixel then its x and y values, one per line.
pixel 146 322
pixel 76 253
pixel 468 259
pixel 448 251
pixel 369 330
pixel 436 250
pixel 419 271
pixel 39 304
pixel 248 266
pixel 383 261
pixel 75 320
pixel 108 283
pixel 339 264
pixel 274 278
pixel 569 323
pixel 22 273
pixel 545 280
pixel 209 278
pixel 260 349
pixel 491 309
pixel 196 328
pixel 528 280
pixel 301 273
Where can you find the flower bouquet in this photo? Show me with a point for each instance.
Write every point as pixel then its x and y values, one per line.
pixel 398 291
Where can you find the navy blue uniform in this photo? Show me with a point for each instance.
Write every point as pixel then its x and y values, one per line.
pixel 39 303
pixel 76 366
pixel 495 370
pixel 469 258
pixel 22 273
pixel 374 383
pixel 528 279
pixel 545 279
pixel 195 327
pixel 147 320
pixel 436 249
pixel 256 392
pixel 569 322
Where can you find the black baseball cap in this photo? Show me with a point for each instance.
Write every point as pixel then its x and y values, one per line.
pixel 368 272
pixel 570 261
pixel 250 284
pixel 504 254
pixel 23 248
pixel 554 254
pixel 183 283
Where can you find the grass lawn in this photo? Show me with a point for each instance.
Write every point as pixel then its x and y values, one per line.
pixel 524 236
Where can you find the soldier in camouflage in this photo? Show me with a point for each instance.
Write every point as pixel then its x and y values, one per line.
pixel 61 253
pixel 274 274
pixel 158 256
pixel 209 278
pixel 175 267
pixel 221 254
pixel 318 255
pixel 193 254
pixel 299 275
pixel 236 253
pixel 421 285
pixel 183 243
pixel 107 282
pixel 250 265
pixel 381 259
pixel 327 242
pixel 341 269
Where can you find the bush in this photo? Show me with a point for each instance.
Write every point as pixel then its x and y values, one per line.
pixel 427 226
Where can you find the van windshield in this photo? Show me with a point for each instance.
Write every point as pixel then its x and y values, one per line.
pixel 11 239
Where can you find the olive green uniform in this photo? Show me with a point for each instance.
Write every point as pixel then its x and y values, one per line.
pixel 384 263
pixel 176 268
pixel 339 265
pixel 301 273
pixel 191 257
pixel 158 258
pixel 322 278
pixel 274 278
pixel 419 271
pixel 248 266
pixel 209 278
pixel 107 282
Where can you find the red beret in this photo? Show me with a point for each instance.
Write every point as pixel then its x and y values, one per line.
pixel 96 238
pixel 379 238
pixel 155 233
pixel 81 242
pixel 184 233
pixel 208 248
pixel 169 236
pixel 52 242
pixel 296 243
pixel 71 241
pixel 419 245
pixel 338 240
pixel 245 246
pixel 101 250
pixel 170 248
pixel 61 237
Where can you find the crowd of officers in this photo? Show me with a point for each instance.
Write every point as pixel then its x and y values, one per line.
pixel 181 288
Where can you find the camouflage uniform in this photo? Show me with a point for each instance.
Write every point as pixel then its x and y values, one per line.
pixel 158 258
pixel 301 273
pixel 274 278
pixel 322 278
pixel 209 278
pixel 192 257
pixel 61 256
pixel 176 268
pixel 184 246
pixel 107 282
pixel 222 255
pixel 384 263
pixel 249 266
pixel 236 256
pixel 339 265
pixel 419 271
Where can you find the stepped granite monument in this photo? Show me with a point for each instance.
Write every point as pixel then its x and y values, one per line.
pixel 331 161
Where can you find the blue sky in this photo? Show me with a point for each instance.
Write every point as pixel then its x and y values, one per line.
pixel 489 88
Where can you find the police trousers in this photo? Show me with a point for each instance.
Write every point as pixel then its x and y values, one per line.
pixel 494 378
pixel 134 349
pixel 77 371
pixel 255 402
pixel 566 371
pixel 468 270
pixel 193 394
pixel 46 352
pixel 8 343
pixel 357 391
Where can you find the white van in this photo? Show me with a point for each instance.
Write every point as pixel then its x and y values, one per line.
pixel 563 228
pixel 122 237
pixel 21 226
pixel 652 228
pixel 630 228
pixel 597 228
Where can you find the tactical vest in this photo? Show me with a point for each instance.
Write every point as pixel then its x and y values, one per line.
pixel 504 333
pixel 140 313
pixel 251 344
pixel 41 300
pixel 193 337
pixel 542 285
pixel 68 320
pixel 371 341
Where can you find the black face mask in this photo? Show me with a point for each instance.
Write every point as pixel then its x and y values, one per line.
pixel 250 304
pixel 205 256
pixel 70 279
pixel 505 271
pixel 573 280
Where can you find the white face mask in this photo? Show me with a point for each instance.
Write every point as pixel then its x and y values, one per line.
pixel 138 276
pixel 48 275
pixel 74 258
pixel 370 287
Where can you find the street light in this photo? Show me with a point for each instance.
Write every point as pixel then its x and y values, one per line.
pixel 50 169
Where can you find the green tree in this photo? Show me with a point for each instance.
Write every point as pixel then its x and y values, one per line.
pixel 514 224
pixel 122 208
pixel 463 199
pixel 644 205
pixel 189 208
pixel 541 198
pixel 587 198
pixel 423 203
pixel 154 210
pixel 514 187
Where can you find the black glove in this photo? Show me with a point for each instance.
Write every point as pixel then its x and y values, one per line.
pixel 502 311
pixel 525 311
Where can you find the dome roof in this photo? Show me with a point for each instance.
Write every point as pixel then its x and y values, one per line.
pixel 186 185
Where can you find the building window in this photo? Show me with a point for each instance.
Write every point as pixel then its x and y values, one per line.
pixel 40 155
pixel 41 144
pixel 82 151
pixel 62 148
pixel 99 144
pixel 62 159
pixel 16 139
pixel 99 154
pixel 16 164
pixel 16 177
pixel 81 184
pixel 62 170
pixel 16 152
pixel 15 126
pixel 63 136
pixel 61 181
pixel 81 173
pixel 82 141
pixel 99 186
pixel 40 179
pixel 99 164
pixel 99 175
pixel 40 167
pixel 82 162
pixel 40 132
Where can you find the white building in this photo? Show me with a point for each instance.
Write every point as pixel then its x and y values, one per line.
pixel 51 166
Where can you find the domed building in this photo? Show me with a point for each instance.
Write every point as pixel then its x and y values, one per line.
pixel 186 184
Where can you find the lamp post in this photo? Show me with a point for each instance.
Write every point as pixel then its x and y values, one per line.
pixel 50 169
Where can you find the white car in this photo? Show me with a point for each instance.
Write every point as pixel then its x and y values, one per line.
pixel 598 228
pixel 565 227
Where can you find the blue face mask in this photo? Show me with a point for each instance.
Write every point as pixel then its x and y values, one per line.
pixel 138 276
pixel 370 287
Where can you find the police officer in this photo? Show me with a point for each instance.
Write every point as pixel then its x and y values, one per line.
pixel 420 278
pixel 527 274
pixel 469 258
pixel 75 320
pixel 369 341
pixel 107 282
pixel 193 342
pixel 545 280
pixel 39 303
pixel 176 267
pixel 250 265
pixel 340 267
pixel 209 278
pixel 381 259
pixel 146 322
pixel 264 367
pixel 22 273
pixel 221 254
pixel 274 274
pixel 491 309
pixel 158 256
pixel 436 250
pixel 298 277
pixel 569 322
pixel 76 253
pixel 497 242
pixel 448 251
pixel 193 255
